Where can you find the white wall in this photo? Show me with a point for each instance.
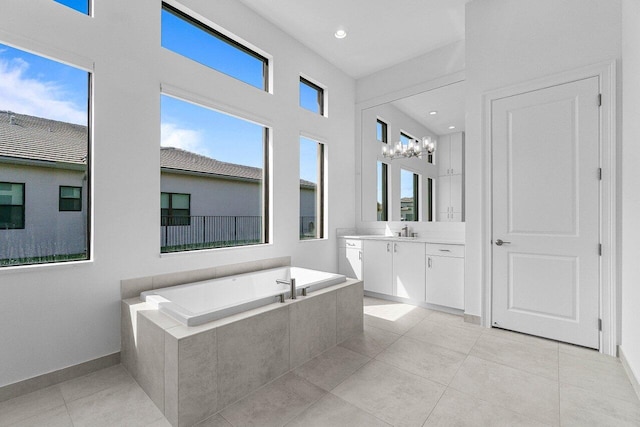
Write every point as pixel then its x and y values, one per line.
pixel 56 316
pixel 510 42
pixel 630 179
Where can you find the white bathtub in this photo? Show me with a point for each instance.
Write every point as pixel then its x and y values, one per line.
pixel 200 302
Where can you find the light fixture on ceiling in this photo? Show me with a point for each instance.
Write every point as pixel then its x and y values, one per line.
pixel 340 33
pixel 433 113
pixel 414 148
pixel 452 127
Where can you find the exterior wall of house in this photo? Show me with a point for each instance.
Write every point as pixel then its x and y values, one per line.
pixel 47 231
pixel 121 45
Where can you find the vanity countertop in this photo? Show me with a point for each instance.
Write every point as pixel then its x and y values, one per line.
pixel 437 240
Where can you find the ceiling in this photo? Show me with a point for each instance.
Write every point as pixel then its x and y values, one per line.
pixel 380 33
pixel 448 101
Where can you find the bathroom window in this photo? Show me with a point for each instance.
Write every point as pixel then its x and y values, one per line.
pixel 195 40
pixel 70 199
pixel 409 192
pixel 11 206
pixel 381 131
pixel 175 209
pixel 311 96
pixel 214 178
pixel 382 204
pixel 312 200
pixel 44 141
pixel 82 6
pixel 429 208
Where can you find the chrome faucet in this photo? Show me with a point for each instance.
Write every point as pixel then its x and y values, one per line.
pixel 405 231
pixel 291 282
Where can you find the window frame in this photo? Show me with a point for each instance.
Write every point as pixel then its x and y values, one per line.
pixel 224 38
pixel 321 95
pixel 166 220
pixel 60 199
pixel 384 131
pixel 22 210
pixel 321 193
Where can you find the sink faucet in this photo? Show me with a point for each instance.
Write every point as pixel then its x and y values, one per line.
pixel 291 282
pixel 405 231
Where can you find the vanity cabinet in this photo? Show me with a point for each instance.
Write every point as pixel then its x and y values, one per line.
pixel 445 275
pixel 395 268
pixel 450 187
pixel 350 258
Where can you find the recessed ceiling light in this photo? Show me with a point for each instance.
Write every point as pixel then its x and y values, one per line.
pixel 452 127
pixel 433 113
pixel 340 33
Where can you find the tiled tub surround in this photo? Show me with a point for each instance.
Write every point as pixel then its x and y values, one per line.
pixel 191 373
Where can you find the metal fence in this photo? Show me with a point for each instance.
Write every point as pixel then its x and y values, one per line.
pixel 179 233
pixel 308 227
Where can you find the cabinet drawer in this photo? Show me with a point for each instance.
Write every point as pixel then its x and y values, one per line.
pixel 445 250
pixel 350 243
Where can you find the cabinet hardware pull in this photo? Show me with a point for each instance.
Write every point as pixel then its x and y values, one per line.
pixel 429 262
pixel 360 255
pixel 395 247
pixel 444 250
pixel 388 247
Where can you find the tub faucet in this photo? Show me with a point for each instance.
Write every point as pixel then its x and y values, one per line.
pixel 291 282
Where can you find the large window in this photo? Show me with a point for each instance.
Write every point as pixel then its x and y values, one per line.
pixel 193 39
pixel 311 96
pixel 216 167
pixel 11 206
pixel 44 159
pixel 383 195
pixel 70 199
pixel 311 189
pixel 409 191
pixel 82 6
pixel 381 131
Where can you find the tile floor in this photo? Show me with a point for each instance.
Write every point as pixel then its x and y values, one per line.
pixel 410 367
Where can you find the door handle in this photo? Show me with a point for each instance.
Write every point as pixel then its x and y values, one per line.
pixel 500 242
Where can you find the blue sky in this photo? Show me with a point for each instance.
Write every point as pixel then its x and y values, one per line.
pixel 79 5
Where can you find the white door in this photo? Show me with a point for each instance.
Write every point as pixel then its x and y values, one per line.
pixel 546 198
pixel 409 270
pixel 378 266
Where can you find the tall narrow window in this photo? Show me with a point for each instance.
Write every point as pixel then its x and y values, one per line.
pixel 429 202
pixel 311 189
pixel 381 131
pixel 311 96
pixel 382 205
pixel 11 206
pixel 405 139
pixel 82 6
pixel 213 179
pixel 70 199
pixel 193 39
pixel 44 141
pixel 409 191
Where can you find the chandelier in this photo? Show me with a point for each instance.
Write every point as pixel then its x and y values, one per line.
pixel 414 148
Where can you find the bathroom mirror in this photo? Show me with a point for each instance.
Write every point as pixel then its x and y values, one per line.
pixel 424 188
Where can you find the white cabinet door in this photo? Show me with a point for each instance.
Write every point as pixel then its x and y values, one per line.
pixel 443 197
pixel 456 194
pixel 350 262
pixel 445 281
pixel 378 268
pixel 455 153
pixel 443 159
pixel 408 270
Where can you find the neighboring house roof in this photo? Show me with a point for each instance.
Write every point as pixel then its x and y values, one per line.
pixel 36 138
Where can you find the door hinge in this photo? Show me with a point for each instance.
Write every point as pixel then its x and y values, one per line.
pixel 599 100
pixel 600 324
pixel 600 249
pixel 600 174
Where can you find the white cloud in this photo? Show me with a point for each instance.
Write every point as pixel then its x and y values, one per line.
pixel 34 97
pixel 188 139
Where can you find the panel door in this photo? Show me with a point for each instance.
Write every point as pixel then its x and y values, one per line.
pixel 350 262
pixel 378 275
pixel 456 153
pixel 445 281
pixel 409 270
pixel 546 196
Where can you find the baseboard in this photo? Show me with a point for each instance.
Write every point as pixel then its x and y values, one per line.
pixel 472 318
pixel 635 382
pixel 414 302
pixel 36 383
